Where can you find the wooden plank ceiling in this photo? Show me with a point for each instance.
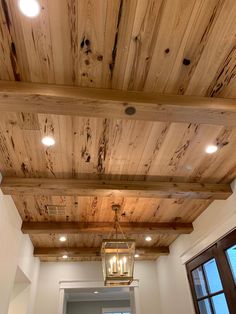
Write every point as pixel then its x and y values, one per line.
pixel 179 47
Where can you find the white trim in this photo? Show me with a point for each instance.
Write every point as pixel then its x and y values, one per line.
pixel 62 302
pixel 77 284
pixel 116 309
pixel 210 238
pixel 135 300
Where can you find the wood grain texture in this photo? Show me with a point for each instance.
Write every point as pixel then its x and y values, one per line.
pixel 98 209
pixel 101 103
pixel 87 252
pixel 170 47
pixel 106 227
pixel 145 189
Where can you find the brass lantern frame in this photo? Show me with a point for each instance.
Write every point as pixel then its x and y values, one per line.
pixel 118 257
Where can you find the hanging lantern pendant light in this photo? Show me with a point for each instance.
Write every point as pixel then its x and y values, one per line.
pixel 118 256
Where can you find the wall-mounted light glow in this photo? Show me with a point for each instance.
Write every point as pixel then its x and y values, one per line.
pixel 96 292
pixel 136 255
pixel 63 239
pixel 148 239
pixel 29 8
pixel 65 256
pixel 48 141
pixel 211 149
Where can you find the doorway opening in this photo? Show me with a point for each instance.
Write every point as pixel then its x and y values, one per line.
pixel 95 298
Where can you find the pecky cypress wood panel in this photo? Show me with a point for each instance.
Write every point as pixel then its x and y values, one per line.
pixel 184 47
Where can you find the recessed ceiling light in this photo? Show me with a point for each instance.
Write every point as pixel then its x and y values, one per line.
pixel 136 255
pixel 48 141
pixel 63 239
pixel 211 149
pixel 96 292
pixel 65 256
pixel 189 167
pixel 148 239
pixel 29 8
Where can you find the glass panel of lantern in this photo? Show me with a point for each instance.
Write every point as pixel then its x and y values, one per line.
pixel 118 261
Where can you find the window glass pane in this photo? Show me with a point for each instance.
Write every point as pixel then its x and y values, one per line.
pixel 212 276
pixel 219 304
pixel 204 307
pixel 199 282
pixel 231 255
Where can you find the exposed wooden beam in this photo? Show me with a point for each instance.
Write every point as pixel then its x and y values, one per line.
pixel 148 189
pixel 91 102
pixel 92 251
pixel 106 227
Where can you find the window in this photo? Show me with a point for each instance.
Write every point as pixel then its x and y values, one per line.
pixel 212 278
pixel 121 310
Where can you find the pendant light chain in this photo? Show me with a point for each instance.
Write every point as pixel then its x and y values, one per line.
pixel 118 226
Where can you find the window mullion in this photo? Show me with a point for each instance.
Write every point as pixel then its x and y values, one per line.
pixel 207 289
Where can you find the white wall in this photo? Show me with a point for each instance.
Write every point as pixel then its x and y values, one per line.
pixel 94 307
pixel 214 223
pixel 18 304
pixel 52 273
pixel 10 243
pixel 30 265
pixel 15 249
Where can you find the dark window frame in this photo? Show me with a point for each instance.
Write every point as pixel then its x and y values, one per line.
pixel 218 252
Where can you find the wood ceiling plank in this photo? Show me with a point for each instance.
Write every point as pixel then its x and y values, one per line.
pixel 142 42
pixel 223 84
pixel 97 22
pixel 216 53
pixel 133 150
pixel 98 209
pixel 39 98
pixel 106 227
pixel 198 31
pixel 92 251
pixel 95 240
pixel 22 144
pixel 8 62
pixel 148 189
pixel 120 50
pixel 175 19
pixel 35 51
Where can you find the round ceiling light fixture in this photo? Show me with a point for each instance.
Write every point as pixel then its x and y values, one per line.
pixel 48 141
pixel 62 238
pixel 29 8
pixel 148 239
pixel 211 149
